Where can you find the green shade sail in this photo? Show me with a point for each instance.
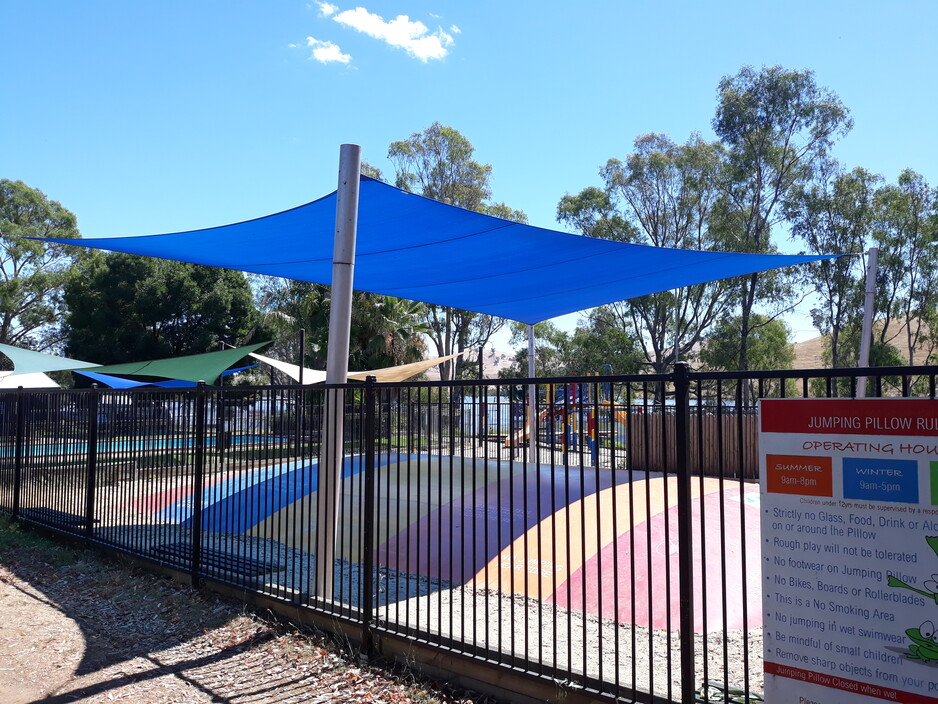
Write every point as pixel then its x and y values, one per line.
pixel 205 367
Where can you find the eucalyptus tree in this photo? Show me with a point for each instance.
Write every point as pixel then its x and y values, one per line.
pixel 777 127
pixel 438 163
pixel 598 341
pixel 551 351
pixel 906 232
pixel 835 213
pixel 32 273
pixel 663 194
pixel 770 347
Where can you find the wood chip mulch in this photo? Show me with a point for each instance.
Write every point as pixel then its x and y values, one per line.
pixel 77 627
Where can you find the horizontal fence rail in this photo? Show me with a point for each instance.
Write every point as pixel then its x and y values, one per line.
pixel 608 547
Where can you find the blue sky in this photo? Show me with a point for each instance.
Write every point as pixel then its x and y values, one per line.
pixel 181 114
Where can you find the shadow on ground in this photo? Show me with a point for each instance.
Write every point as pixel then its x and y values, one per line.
pixel 147 639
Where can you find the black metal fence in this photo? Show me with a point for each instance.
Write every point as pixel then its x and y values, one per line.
pixel 613 556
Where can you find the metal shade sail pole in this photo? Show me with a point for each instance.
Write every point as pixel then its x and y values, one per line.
pixel 340 319
pixel 868 302
pixel 532 401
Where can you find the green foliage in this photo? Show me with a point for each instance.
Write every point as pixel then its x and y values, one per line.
pixel 881 355
pixel 32 273
pixel 371 171
pixel 124 308
pixel 834 213
pixel 593 212
pixel 438 164
pixel 906 230
pixel 597 341
pixel 663 194
pixel 385 331
pixel 777 126
pixel 600 340
pixel 551 348
pixel 769 348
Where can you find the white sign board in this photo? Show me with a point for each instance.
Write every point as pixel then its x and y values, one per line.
pixel 850 550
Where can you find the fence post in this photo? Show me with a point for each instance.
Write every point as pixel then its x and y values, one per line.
pixel 201 399
pixel 685 533
pixel 19 450
pixel 92 465
pixel 368 524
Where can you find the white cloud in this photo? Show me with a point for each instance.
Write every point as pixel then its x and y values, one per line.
pixel 327 9
pixel 412 37
pixel 326 52
pixel 455 30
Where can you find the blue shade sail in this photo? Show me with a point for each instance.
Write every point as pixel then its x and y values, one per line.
pixel 117 382
pixel 419 249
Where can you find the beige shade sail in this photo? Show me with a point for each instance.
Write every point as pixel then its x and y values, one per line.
pixel 402 372
pixel 387 375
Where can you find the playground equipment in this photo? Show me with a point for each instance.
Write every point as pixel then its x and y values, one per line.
pixel 569 410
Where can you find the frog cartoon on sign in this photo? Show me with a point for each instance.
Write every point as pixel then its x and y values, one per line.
pixel 930 590
pixel 930 584
pixel 924 642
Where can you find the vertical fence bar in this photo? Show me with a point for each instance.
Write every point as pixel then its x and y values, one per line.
pixel 92 459
pixel 684 528
pixel 197 481
pixel 19 449
pixel 368 523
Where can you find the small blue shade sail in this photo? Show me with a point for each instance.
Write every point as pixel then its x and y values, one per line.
pixel 419 249
pixel 116 382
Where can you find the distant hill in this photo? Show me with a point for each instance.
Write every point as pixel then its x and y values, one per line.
pixel 808 354
pixel 493 361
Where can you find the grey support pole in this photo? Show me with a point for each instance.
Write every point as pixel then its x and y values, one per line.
pixel 340 317
pixel 868 303
pixel 302 361
pixel 532 401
